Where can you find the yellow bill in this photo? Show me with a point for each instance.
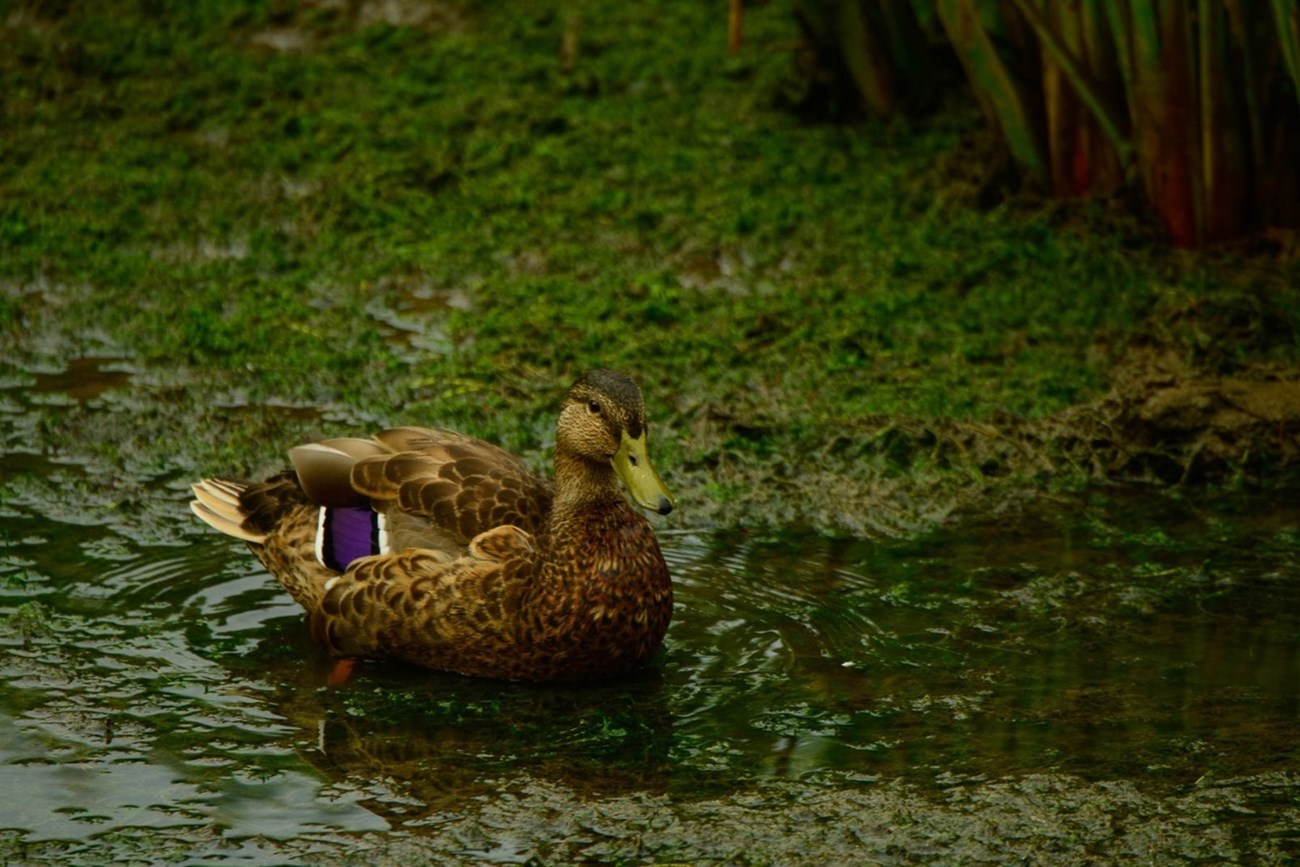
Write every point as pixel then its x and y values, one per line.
pixel 632 463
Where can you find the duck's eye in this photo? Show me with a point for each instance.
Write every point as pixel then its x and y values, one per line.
pixel 593 406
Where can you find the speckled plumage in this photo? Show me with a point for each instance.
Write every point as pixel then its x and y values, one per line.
pixel 493 571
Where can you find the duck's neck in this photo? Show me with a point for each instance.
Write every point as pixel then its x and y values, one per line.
pixel 580 483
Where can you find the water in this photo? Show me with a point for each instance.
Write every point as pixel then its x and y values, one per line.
pixel 1131 657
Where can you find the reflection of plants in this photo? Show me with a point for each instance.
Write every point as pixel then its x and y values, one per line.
pixel 905 594
pixel 608 727
pixel 15 574
pixel 1153 537
pixel 803 720
pixel 31 619
pixel 383 705
pixel 898 594
pixel 15 580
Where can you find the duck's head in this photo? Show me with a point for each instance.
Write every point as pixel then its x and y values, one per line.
pixel 602 422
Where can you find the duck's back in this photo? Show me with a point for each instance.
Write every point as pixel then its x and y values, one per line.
pixel 349 498
pixel 454 486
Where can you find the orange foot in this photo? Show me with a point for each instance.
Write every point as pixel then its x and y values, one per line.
pixel 341 673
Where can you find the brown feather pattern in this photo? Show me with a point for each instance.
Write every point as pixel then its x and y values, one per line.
pixel 495 571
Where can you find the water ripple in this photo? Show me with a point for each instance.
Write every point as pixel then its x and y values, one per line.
pixel 151 685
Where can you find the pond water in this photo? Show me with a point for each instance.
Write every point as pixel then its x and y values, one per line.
pixel 1113 676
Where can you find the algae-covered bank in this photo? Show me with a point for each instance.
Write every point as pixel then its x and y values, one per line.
pixel 986 539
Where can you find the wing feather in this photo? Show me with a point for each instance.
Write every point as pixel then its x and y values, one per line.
pixel 457 616
pixel 460 485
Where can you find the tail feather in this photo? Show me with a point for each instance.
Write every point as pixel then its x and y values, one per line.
pixel 217 504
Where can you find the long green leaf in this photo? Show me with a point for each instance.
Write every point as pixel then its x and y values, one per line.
pixel 1181 201
pixel 1097 48
pixel 1000 94
pixel 1242 19
pixel 1156 54
pixel 1286 14
pixel 865 56
pixel 1117 16
pixel 1223 187
pixel 1284 179
pixel 906 41
pixel 1088 91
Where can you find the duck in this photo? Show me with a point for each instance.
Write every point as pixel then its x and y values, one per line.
pixel 440 549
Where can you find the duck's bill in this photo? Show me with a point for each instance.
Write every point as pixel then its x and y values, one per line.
pixel 632 463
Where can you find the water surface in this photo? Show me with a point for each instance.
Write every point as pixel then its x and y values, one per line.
pixel 1130 656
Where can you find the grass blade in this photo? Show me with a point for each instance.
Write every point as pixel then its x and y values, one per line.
pixel 866 57
pixel 1222 140
pixel 1087 91
pixel 1286 14
pixel 1004 98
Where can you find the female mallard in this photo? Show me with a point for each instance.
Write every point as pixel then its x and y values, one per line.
pixel 443 550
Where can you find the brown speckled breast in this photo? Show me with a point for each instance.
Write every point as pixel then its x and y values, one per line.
pixel 510 612
pixel 602 609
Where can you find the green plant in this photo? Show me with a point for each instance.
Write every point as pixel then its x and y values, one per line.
pixel 1193 101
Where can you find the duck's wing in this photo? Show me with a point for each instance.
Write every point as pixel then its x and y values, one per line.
pixel 460 615
pixel 460 485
